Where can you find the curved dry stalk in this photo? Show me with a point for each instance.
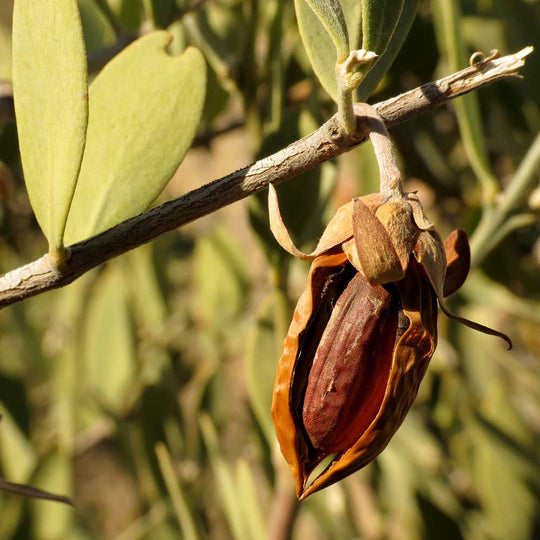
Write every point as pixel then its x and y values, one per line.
pixel 323 144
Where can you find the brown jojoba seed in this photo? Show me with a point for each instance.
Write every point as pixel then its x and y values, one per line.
pixel 347 381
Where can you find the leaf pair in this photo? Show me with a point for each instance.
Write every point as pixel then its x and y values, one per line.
pixel 92 158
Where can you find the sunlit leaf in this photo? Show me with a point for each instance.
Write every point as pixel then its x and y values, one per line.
pixel 330 15
pixel 322 46
pixel 144 109
pixel 352 12
pixel 51 103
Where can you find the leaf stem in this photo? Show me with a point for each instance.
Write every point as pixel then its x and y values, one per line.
pixel 347 81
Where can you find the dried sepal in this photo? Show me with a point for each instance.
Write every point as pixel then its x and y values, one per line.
pixel 337 231
pixel 458 261
pixel 430 253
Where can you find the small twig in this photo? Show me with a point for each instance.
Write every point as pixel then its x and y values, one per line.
pixel 326 143
pixel 32 492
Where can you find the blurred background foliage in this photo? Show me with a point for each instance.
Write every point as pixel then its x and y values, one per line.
pixel 143 389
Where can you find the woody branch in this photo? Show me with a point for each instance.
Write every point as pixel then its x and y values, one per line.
pixel 327 142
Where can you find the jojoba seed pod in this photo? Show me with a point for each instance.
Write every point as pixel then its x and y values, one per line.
pixel 348 377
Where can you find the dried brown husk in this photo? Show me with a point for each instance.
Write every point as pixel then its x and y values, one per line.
pixel 383 240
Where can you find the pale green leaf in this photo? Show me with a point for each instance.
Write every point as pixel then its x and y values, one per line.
pixel 51 520
pixel 224 474
pixel 144 109
pixel 319 44
pixel 108 348
pixel 178 499
pixel 51 104
pixel 352 11
pixel 220 301
pixel 263 351
pixel 331 16
pixel 254 516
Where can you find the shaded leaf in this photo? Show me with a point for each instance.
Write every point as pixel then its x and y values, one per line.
pixel 321 48
pixel 108 348
pixel 17 456
pixel 130 13
pixel 220 277
pixel 97 30
pixel 447 16
pixel 502 475
pixel 263 351
pixel 237 488
pixel 313 188
pixel 144 109
pixel 51 521
pixel 391 50
pixel 379 21
pixel 51 103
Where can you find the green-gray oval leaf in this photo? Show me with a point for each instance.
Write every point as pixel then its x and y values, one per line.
pixel 51 104
pixel 321 46
pixel 145 106
pixel 331 16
